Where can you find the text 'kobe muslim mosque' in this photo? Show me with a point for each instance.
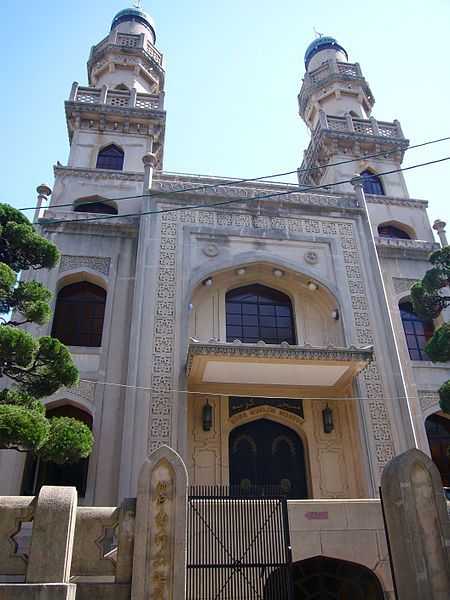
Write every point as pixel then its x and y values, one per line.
pixel 250 360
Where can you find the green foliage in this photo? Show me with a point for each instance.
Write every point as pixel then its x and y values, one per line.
pixel 429 302
pixel 438 347
pixel 69 440
pixel 22 427
pixel 444 397
pixel 37 366
pixel 21 247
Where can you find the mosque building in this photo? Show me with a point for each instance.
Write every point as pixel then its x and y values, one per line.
pixel 264 331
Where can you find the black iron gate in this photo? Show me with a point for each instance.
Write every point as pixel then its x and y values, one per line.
pixel 238 544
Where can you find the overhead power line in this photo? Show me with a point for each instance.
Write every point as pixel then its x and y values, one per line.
pixel 253 179
pixel 172 391
pixel 204 205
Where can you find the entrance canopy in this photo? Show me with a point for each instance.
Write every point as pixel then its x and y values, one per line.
pixel 273 369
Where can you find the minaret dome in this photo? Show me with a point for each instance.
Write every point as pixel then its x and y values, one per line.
pixel 135 21
pixel 321 49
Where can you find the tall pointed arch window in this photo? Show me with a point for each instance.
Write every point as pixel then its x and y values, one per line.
pixel 79 314
pixel 417 332
pixel 372 183
pixel 256 312
pixel 110 157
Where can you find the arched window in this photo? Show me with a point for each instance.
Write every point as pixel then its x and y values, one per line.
pixel 417 332
pixel 390 231
pixel 110 157
pixel 438 433
pixel 256 312
pixel 38 473
pixel 79 314
pixel 372 183
pixel 330 578
pixel 91 205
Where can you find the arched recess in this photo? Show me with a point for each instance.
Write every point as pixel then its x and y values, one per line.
pixel 438 434
pixel 265 452
pixel 324 578
pixel 372 183
pixel 312 302
pixel 396 230
pixel 38 473
pixel 79 314
pixel 95 204
pixel 257 312
pixel 417 332
pixel 110 157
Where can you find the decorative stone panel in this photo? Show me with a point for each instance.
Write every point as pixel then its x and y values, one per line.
pixel 402 284
pixel 85 389
pixel 95 263
pixel 428 400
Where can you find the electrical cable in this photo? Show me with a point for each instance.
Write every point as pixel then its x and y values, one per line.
pixel 204 205
pixel 149 389
pixel 250 179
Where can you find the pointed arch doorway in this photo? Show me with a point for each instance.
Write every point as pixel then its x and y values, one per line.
pixel 265 452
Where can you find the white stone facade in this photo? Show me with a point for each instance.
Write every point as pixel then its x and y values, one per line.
pixel 138 385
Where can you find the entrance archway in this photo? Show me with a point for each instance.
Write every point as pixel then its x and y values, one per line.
pixel 322 578
pixel 264 452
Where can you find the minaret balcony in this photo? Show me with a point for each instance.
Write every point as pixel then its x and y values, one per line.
pixel 349 135
pixel 119 98
pixel 273 369
pixel 329 77
pixel 127 40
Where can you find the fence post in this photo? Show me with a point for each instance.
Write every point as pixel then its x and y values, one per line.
pixel 159 559
pixel 417 526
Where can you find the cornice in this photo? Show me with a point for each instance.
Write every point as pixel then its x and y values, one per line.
pixel 275 351
pixel 63 171
pixel 406 249
pixel 117 111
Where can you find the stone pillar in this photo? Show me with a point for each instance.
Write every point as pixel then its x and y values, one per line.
pixel 52 535
pixel 149 161
pixel 439 226
pixel 159 559
pixel 44 191
pixel 418 527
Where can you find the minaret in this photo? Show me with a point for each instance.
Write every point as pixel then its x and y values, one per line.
pixel 336 102
pixel 124 102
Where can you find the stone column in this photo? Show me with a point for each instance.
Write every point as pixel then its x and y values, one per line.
pixel 44 191
pixel 52 535
pixel 418 527
pixel 159 559
pixel 439 226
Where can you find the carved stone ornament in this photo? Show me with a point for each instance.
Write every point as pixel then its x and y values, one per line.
pixel 210 249
pixel 311 257
pixel 428 400
pixel 402 284
pixel 95 263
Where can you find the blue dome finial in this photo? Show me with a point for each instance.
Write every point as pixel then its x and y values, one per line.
pixel 137 15
pixel 322 43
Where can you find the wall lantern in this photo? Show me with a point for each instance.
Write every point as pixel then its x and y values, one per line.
pixel 207 416
pixel 335 314
pixel 327 418
pixel 241 271
pixel 312 286
pixel 278 273
pixel 207 281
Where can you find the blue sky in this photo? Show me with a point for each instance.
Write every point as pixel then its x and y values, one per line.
pixel 233 72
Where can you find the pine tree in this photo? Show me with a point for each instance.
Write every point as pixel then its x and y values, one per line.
pixel 35 367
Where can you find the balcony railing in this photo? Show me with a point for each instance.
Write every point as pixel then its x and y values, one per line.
pixel 122 98
pixel 129 40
